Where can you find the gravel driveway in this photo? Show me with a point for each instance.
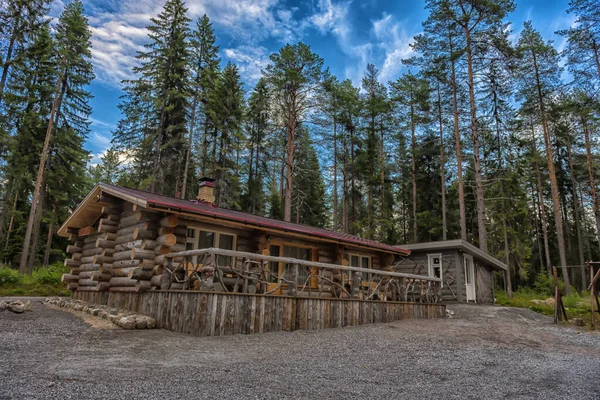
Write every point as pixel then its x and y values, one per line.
pixel 484 352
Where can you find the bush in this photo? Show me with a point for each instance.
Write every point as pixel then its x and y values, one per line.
pixel 9 276
pixel 50 275
pixel 544 284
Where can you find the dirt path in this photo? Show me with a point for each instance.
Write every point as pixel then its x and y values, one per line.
pixel 484 352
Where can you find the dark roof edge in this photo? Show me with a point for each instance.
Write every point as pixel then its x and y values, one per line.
pixel 457 244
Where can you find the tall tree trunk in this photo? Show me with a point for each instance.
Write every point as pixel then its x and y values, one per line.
pixel 352 181
pixel 577 213
pixel 335 183
pixel 461 184
pixel 413 169
pixel 537 224
pixel 287 206
pixel 507 260
pixel 12 220
pixel 49 238
pixel 158 145
pixel 9 51
pixel 188 154
pixel 39 180
pixel 553 184
pixel 479 192
pixel 542 207
pixel 442 165
pixel 588 150
pixel 33 252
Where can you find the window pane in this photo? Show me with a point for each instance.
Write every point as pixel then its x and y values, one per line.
pixel 206 240
pixel 366 262
pixel 191 233
pixel 273 266
pixel 225 243
pixel 354 261
pixel 301 254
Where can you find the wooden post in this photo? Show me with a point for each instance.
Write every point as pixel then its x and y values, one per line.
pixel 556 295
pixel 356 283
pixel 165 283
pixel 592 297
pixel 292 286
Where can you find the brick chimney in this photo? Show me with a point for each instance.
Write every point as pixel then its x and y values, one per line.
pixel 206 191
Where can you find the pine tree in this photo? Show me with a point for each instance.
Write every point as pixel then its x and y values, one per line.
pixel 374 111
pixel 540 73
pixel 477 18
pixel 583 41
pixel 294 75
pixel 410 94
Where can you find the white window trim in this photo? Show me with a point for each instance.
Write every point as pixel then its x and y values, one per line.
pixel 470 258
pixel 430 258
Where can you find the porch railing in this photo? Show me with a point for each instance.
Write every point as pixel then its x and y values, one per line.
pixel 251 273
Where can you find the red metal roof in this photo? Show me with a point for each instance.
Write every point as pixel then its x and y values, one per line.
pixel 210 210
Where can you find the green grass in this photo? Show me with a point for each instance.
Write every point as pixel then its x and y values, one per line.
pixel 44 281
pixel 577 304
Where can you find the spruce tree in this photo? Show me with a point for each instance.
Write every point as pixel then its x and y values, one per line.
pixel 228 112
pixel 70 110
pixel 258 127
pixel 164 66
pixel 204 64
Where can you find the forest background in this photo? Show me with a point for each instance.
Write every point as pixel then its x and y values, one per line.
pixel 485 135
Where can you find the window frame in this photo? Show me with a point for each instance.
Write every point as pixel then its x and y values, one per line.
pixel 217 240
pixel 430 266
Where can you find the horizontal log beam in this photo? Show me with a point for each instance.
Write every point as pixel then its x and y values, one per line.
pixel 288 260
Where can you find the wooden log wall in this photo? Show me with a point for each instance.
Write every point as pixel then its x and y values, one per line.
pixel 92 250
pixel 218 314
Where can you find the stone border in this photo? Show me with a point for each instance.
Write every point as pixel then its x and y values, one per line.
pixel 122 318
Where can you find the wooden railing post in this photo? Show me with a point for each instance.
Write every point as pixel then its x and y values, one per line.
pixel 208 273
pixel 293 281
pixel 356 283
pixel 165 283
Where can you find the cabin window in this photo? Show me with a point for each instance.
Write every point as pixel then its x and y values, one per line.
pixel 357 260
pixel 278 270
pixel 434 262
pixel 203 239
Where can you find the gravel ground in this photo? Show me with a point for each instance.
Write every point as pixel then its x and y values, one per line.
pixel 483 352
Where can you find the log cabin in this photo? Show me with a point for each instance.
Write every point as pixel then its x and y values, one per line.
pixel 467 272
pixel 208 270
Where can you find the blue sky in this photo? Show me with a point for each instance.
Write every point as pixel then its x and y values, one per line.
pixel 348 34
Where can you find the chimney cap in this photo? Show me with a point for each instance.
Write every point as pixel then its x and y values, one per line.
pixel 206 181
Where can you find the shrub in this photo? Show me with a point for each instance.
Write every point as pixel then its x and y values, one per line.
pixel 9 276
pixel 544 284
pixel 50 275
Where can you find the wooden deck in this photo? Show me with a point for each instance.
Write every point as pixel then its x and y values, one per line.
pixel 218 314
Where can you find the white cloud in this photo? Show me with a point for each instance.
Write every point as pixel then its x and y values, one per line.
pixel 395 42
pixel 250 60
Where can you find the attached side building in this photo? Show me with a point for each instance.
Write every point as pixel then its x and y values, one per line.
pixel 467 272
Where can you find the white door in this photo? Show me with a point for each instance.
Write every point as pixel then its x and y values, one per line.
pixel 469 277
